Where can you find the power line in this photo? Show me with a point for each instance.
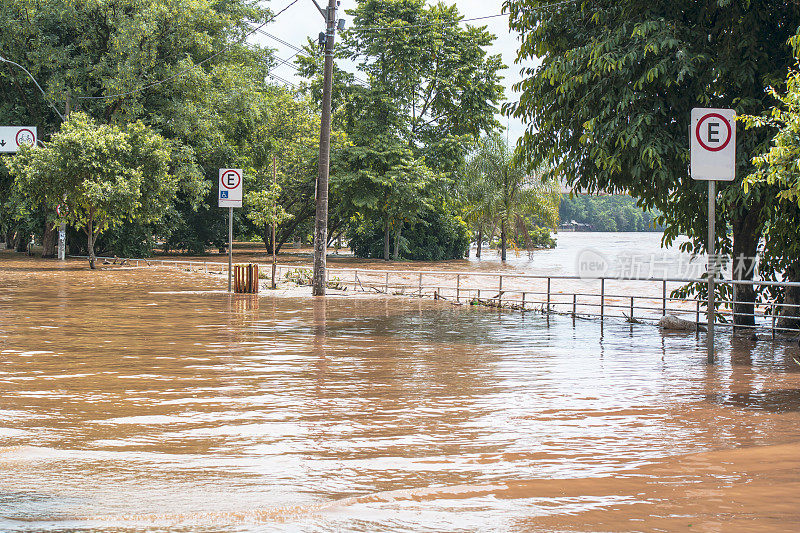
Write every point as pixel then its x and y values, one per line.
pixel 285 82
pixel 278 39
pixel 179 74
pixel 299 50
pixel 455 23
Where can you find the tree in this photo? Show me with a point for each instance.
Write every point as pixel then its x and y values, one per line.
pixel 430 91
pixel 608 106
pixel 181 67
pixel 104 174
pixel 778 168
pixel 504 192
pixel 384 182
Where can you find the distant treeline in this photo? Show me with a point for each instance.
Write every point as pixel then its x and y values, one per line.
pixel 605 213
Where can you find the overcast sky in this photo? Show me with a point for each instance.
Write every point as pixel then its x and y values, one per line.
pixel 303 20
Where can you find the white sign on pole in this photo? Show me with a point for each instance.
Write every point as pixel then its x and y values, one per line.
pixel 12 137
pixel 230 187
pixel 713 142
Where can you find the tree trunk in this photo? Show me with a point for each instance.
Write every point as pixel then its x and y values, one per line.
pixel 480 241
pixel 386 239
pixel 789 314
pixel 396 255
pixel 90 244
pixel 22 241
pixel 745 249
pixel 49 241
pixel 11 239
pixel 503 241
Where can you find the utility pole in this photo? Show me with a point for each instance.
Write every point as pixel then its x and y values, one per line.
pixel 321 219
pixel 274 216
pixel 62 227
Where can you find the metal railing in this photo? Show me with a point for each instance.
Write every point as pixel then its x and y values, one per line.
pixel 640 300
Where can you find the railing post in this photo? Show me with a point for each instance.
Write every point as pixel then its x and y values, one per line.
pixel 420 284
pixel 773 320
pixel 500 292
pixel 574 305
pixel 458 286
pixel 386 285
pixel 697 314
pixel 664 297
pixel 548 295
pixel 602 297
pixel 355 279
pixel 523 301
pixel 631 309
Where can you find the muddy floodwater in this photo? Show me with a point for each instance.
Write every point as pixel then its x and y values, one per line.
pixel 150 400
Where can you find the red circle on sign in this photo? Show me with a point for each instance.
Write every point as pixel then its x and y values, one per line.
pixel 238 179
pixel 20 132
pixel 700 140
pixel 62 210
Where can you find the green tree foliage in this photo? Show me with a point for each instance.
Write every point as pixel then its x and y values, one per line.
pixel 778 167
pixel 438 235
pixel 430 90
pixel 503 194
pixel 179 66
pixel 104 174
pixel 606 213
pixel 609 104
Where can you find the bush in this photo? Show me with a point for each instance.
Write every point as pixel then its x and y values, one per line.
pixel 437 237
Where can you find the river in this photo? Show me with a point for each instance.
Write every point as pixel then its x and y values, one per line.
pixel 150 400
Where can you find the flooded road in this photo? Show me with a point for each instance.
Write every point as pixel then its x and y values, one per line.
pixel 150 400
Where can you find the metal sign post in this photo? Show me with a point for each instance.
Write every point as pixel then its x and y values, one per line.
pixel 711 268
pixel 713 157
pixel 230 196
pixel 230 245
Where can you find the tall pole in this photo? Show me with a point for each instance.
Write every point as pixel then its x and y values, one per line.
pixel 62 227
pixel 321 220
pixel 230 246
pixel 274 216
pixel 712 268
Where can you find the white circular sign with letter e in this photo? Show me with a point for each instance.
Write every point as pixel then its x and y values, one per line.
pixel 230 187
pixel 713 144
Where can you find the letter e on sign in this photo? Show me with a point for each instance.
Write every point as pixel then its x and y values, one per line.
pixel 713 144
pixel 230 187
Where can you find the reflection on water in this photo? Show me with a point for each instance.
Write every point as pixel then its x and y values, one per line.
pixel 128 404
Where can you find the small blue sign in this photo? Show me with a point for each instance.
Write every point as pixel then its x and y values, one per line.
pixel 223 195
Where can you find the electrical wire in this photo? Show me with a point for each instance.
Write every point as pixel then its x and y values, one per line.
pixel 282 80
pixel 179 74
pixel 299 51
pixel 455 23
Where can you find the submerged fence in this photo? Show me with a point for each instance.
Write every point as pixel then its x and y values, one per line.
pixel 631 299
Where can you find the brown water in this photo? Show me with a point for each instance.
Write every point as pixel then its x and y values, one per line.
pixel 149 400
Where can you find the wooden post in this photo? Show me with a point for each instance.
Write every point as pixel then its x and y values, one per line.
pixel 458 286
pixel 500 292
pixel 631 309
pixel 420 285
pixel 386 285
pixel 574 305
pixel 664 297
pixel 523 300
